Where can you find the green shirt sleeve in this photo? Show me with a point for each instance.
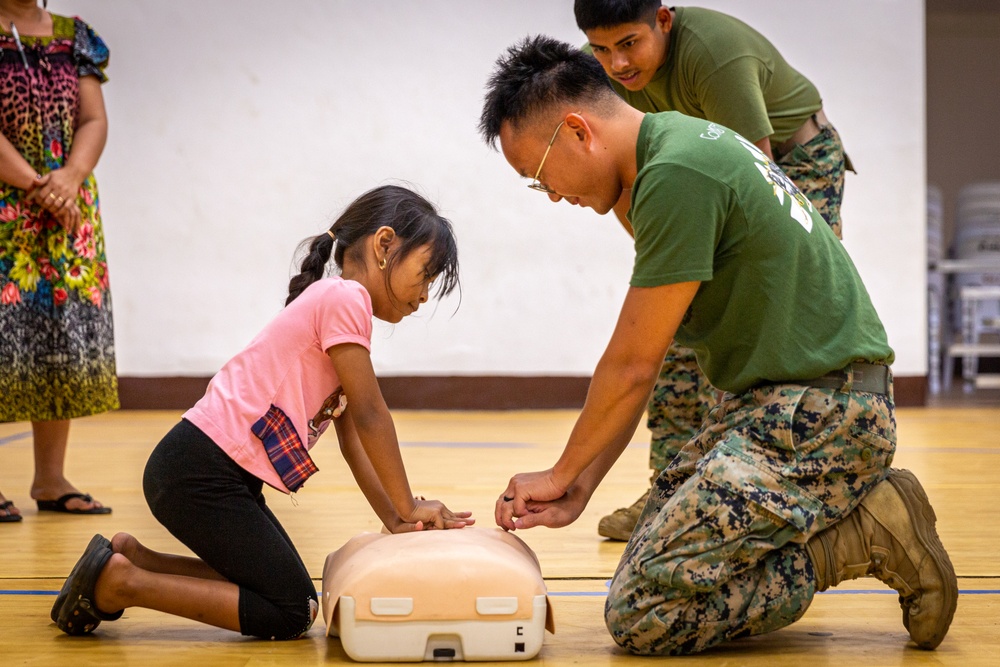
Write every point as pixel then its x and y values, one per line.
pixel 677 216
pixel 733 95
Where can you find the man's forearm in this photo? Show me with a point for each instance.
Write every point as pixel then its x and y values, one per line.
pixel 614 406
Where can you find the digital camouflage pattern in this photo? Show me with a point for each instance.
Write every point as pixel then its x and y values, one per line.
pixel 718 552
pixel 678 405
pixel 817 168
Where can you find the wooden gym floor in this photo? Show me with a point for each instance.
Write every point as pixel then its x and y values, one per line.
pixel 465 459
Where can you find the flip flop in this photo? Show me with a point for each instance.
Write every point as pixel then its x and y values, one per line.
pixel 59 505
pixel 79 614
pixel 97 542
pixel 8 517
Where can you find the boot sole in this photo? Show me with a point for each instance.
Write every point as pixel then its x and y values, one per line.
pixel 923 519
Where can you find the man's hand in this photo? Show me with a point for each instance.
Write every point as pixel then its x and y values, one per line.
pixel 554 513
pixel 522 489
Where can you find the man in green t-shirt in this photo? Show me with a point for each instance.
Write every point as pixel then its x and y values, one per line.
pixel 786 488
pixel 708 65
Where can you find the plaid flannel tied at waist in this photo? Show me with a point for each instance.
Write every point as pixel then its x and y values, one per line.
pixel 284 448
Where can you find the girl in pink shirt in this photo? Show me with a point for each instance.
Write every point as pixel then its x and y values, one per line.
pixel 259 418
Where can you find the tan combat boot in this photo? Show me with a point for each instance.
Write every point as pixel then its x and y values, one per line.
pixel 891 536
pixel 619 524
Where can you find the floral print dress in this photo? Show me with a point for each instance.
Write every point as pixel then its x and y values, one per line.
pixel 57 358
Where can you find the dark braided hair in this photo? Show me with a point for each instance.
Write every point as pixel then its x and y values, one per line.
pixel 413 218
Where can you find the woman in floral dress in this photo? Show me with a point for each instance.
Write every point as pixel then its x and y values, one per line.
pixel 56 337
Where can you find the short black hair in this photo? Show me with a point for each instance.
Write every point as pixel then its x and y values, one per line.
pixel 592 14
pixel 537 73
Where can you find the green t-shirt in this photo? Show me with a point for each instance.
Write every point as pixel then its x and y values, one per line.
pixel 721 69
pixel 780 298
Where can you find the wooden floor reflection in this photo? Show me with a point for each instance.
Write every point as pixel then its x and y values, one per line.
pixel 465 459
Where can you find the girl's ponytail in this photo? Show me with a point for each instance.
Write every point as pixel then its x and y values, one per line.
pixel 313 265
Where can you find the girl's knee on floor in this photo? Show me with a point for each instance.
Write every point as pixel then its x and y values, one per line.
pixel 286 619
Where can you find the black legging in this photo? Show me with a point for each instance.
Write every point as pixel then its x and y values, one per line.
pixel 217 510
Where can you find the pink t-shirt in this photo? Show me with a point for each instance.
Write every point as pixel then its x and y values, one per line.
pixel 284 366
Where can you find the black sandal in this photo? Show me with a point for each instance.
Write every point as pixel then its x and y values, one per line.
pixel 79 614
pixel 97 542
pixel 59 504
pixel 8 516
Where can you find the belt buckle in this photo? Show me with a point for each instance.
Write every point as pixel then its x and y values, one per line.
pixel 870 377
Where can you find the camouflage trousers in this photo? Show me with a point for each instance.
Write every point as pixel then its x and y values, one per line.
pixel 683 396
pixel 678 405
pixel 718 552
pixel 817 168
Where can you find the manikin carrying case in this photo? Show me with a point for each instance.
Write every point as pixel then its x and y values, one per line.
pixel 468 594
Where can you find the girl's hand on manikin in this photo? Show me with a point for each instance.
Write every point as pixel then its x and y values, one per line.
pixel 430 514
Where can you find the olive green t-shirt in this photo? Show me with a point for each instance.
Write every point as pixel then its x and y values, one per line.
pixel 721 69
pixel 780 299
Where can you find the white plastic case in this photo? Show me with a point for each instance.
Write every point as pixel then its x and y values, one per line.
pixel 469 594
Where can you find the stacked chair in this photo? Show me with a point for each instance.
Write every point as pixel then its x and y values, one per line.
pixel 976 287
pixel 937 284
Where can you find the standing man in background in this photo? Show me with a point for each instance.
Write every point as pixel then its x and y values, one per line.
pixel 711 66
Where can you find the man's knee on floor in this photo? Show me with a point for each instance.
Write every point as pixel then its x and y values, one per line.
pixel 648 604
pixel 622 622
pixel 641 632
pixel 630 620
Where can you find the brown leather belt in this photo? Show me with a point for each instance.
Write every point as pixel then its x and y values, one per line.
pixel 809 129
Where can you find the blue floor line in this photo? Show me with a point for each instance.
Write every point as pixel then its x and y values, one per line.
pixel 845 592
pixel 467 445
pixel 604 594
pixel 13 438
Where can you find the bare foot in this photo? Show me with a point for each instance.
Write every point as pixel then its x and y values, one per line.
pixel 112 593
pixel 128 546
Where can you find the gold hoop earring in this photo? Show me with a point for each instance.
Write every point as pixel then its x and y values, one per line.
pixel 382 263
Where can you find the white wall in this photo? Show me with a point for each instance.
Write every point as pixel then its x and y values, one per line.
pixel 239 128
